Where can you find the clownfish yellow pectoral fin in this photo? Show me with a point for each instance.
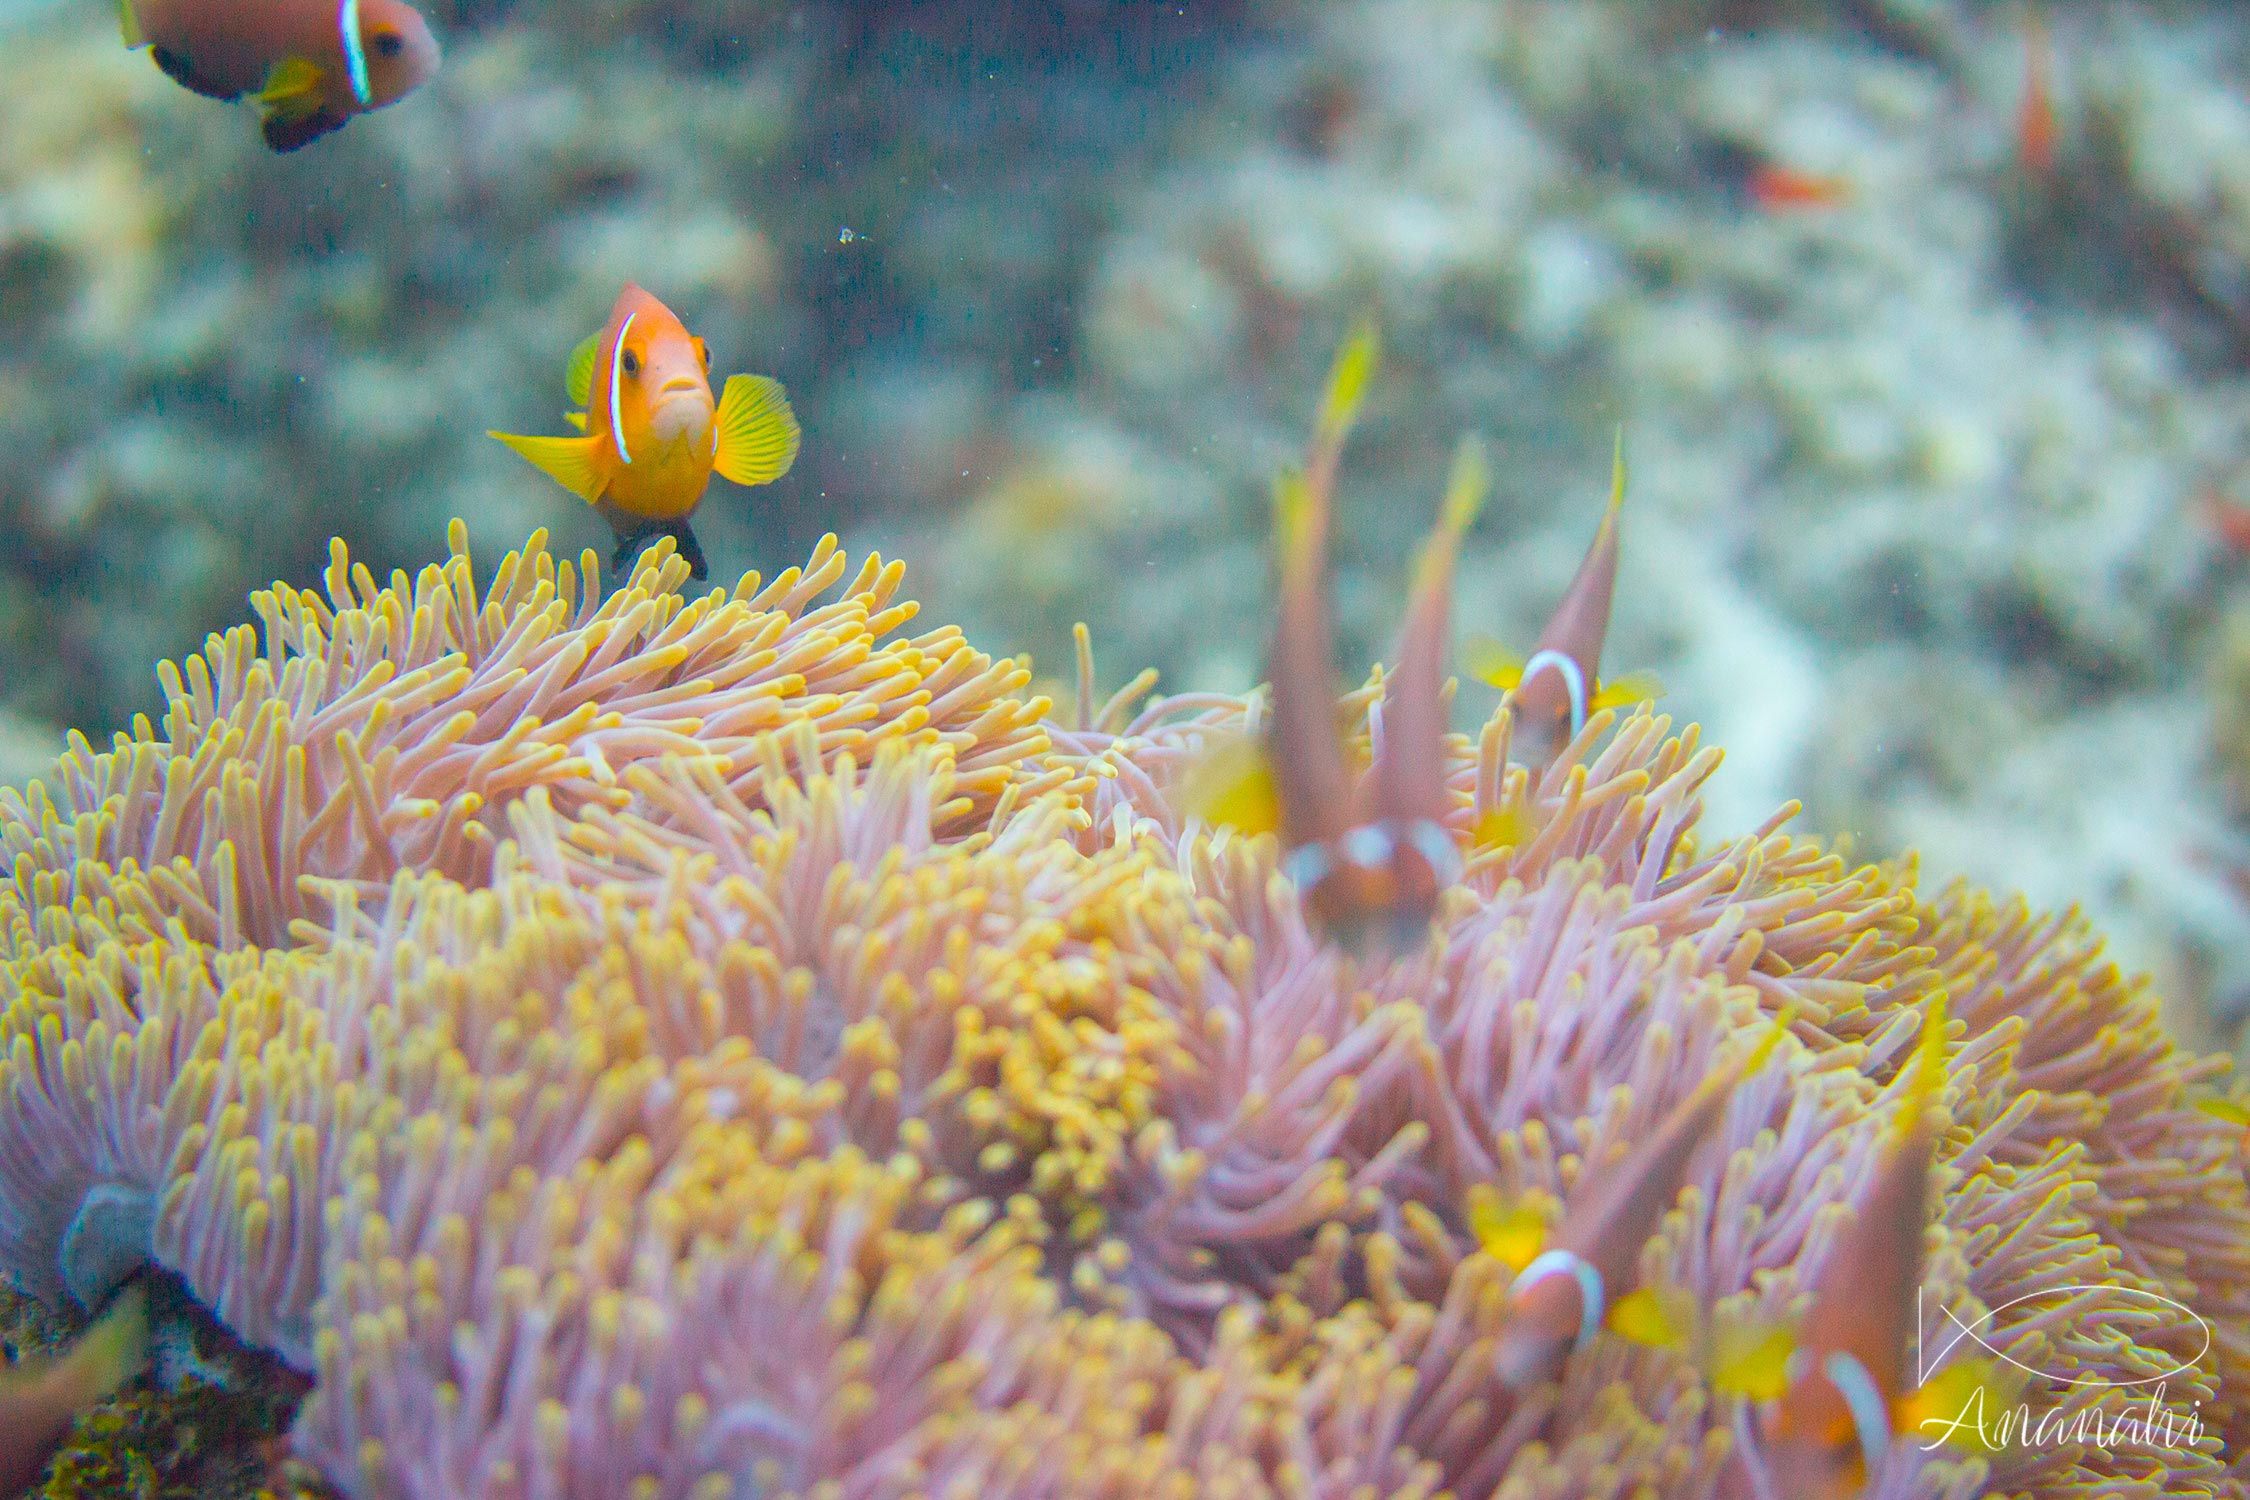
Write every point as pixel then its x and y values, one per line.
pixel 576 419
pixel 292 87
pixel 1633 687
pixel 1960 1403
pixel 1750 1357
pixel 578 372
pixel 1233 786
pixel 129 25
pixel 1488 661
pixel 1502 827
pixel 569 461
pixel 758 433
pixel 1511 1233
pixel 1646 1316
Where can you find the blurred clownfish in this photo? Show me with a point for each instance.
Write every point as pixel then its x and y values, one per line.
pixel 1370 859
pixel 653 437
pixel 1845 1400
pixel 1775 187
pixel 39 1397
pixel 1757 178
pixel 2038 132
pixel 1555 690
pixel 2229 519
pixel 1564 1279
pixel 1740 1353
pixel 310 64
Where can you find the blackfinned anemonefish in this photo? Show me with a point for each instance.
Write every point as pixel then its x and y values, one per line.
pixel 39 1397
pixel 1564 1280
pixel 1555 690
pixel 310 64
pixel 653 437
pixel 1849 1397
pixel 1370 860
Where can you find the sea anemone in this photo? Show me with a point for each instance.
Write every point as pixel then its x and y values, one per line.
pixel 650 1046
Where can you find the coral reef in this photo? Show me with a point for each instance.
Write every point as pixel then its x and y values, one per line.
pixel 210 1425
pixel 640 1045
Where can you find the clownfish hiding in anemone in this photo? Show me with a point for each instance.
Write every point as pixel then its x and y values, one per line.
pixel 652 435
pixel 310 64
pixel 1555 690
pixel 1848 1398
pixel 1565 1278
pixel 1369 861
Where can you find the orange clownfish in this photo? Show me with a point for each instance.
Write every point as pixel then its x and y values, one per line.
pixel 310 64
pixel 1565 1278
pixel 653 435
pixel 1848 1398
pixel 1370 857
pixel 1555 690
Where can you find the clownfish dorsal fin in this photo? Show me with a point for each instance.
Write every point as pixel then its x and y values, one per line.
pixel 1582 619
pixel 1557 682
pixel 569 461
pixel 578 372
pixel 1410 765
pixel 757 433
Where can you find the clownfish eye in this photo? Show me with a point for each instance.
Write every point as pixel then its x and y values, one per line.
pixel 632 363
pixel 389 43
pixel 703 352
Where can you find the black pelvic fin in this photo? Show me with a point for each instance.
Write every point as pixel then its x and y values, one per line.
pixel 181 70
pixel 288 133
pixel 629 545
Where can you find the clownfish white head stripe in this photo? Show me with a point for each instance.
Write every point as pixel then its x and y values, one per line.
pixel 616 376
pixel 1573 679
pixel 1579 1269
pixel 1871 1415
pixel 355 52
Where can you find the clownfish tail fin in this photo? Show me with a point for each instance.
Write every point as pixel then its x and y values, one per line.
pixel 569 461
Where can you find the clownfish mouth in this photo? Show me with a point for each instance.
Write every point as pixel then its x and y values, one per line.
pixel 680 410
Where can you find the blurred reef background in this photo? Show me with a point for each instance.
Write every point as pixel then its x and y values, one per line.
pixel 1935 459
